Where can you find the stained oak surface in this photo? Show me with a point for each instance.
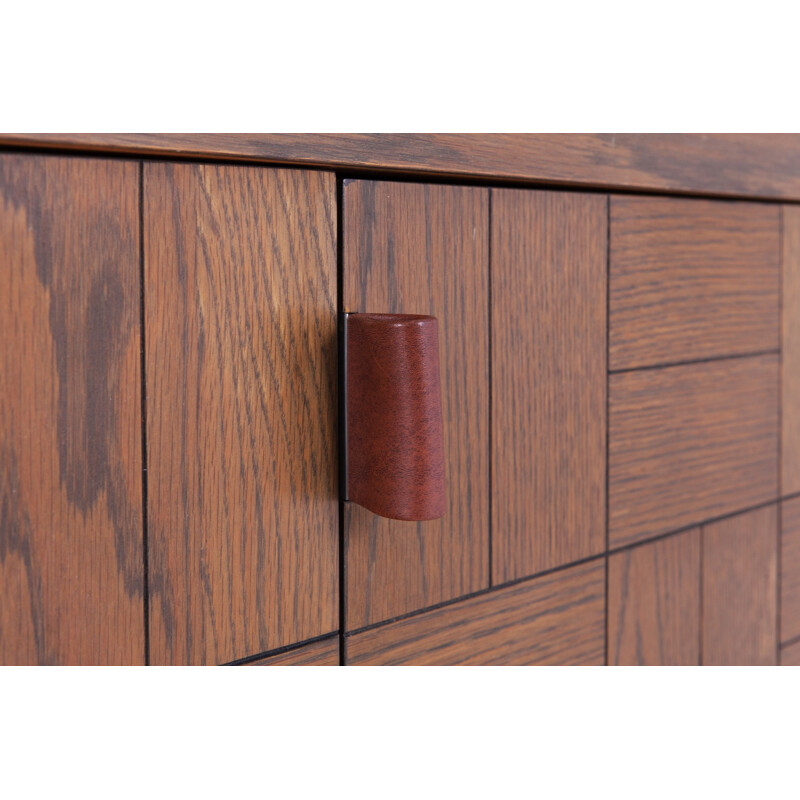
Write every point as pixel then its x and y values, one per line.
pixel 764 165
pixel 790 655
pixel 654 602
pixel 691 279
pixel 548 379
pixel 790 475
pixel 739 589
pixel 690 443
pixel 558 618
pixel 790 569
pixel 240 307
pixel 423 249
pixel 323 653
pixel 71 565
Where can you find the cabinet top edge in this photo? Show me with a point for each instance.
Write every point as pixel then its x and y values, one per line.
pixel 760 165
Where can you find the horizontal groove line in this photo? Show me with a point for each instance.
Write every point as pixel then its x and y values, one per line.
pixel 288 648
pixel 667 365
pixel 589 559
pixel 791 642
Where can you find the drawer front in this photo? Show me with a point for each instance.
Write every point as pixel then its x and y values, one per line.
pixel 790 409
pixel 790 570
pixel 691 280
pixel 555 619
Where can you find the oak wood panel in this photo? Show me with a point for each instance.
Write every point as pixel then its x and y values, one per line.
pixel 71 564
pixel 654 602
pixel 548 380
pixel 322 653
pixel 691 279
pixel 690 443
pixel 422 249
pixel 240 272
pixel 740 565
pixel 790 410
pixel 790 569
pixel 765 165
pixel 790 655
pixel 557 618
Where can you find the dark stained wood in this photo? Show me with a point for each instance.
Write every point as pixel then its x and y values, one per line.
pixel 691 279
pixel 790 655
pixel 790 475
pixel 763 165
pixel 558 618
pixel 322 653
pixel 690 443
pixel 548 380
pixel 654 603
pixel 71 565
pixel 421 249
pixel 790 569
pixel 740 565
pixel 240 274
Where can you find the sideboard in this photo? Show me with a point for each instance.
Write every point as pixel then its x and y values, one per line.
pixel 619 347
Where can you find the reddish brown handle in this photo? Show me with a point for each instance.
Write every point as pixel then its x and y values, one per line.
pixel 395 454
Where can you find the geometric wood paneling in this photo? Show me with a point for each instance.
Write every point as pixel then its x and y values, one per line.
pixel 548 379
pixel 71 562
pixel 654 602
pixel 322 653
pixel 691 279
pixel 240 309
pixel 557 618
pixel 690 443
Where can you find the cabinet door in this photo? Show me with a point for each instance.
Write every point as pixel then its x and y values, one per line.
pixel 240 310
pixel 71 556
pixel 423 249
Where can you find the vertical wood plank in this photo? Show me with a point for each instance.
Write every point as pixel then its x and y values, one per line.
pixel 740 564
pixel 423 249
pixel 71 565
pixel 548 379
pixel 654 603
pixel 790 410
pixel 790 655
pixel 240 276
pixel 790 569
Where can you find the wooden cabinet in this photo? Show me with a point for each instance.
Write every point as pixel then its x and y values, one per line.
pixel 618 384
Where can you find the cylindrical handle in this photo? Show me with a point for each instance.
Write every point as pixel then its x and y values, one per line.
pixel 395 450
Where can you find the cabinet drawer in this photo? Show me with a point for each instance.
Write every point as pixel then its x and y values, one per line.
pixel 691 280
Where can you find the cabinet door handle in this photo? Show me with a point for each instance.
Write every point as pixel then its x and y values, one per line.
pixel 394 450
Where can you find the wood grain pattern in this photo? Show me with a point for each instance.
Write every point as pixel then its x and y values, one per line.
pixel 548 380
pixel 71 564
pixel 790 411
pixel 790 655
pixel 758 165
pixel 740 565
pixel 654 603
pixel 691 280
pixel 322 653
pixel 557 618
pixel 421 249
pixel 790 569
pixel 690 443
pixel 240 308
